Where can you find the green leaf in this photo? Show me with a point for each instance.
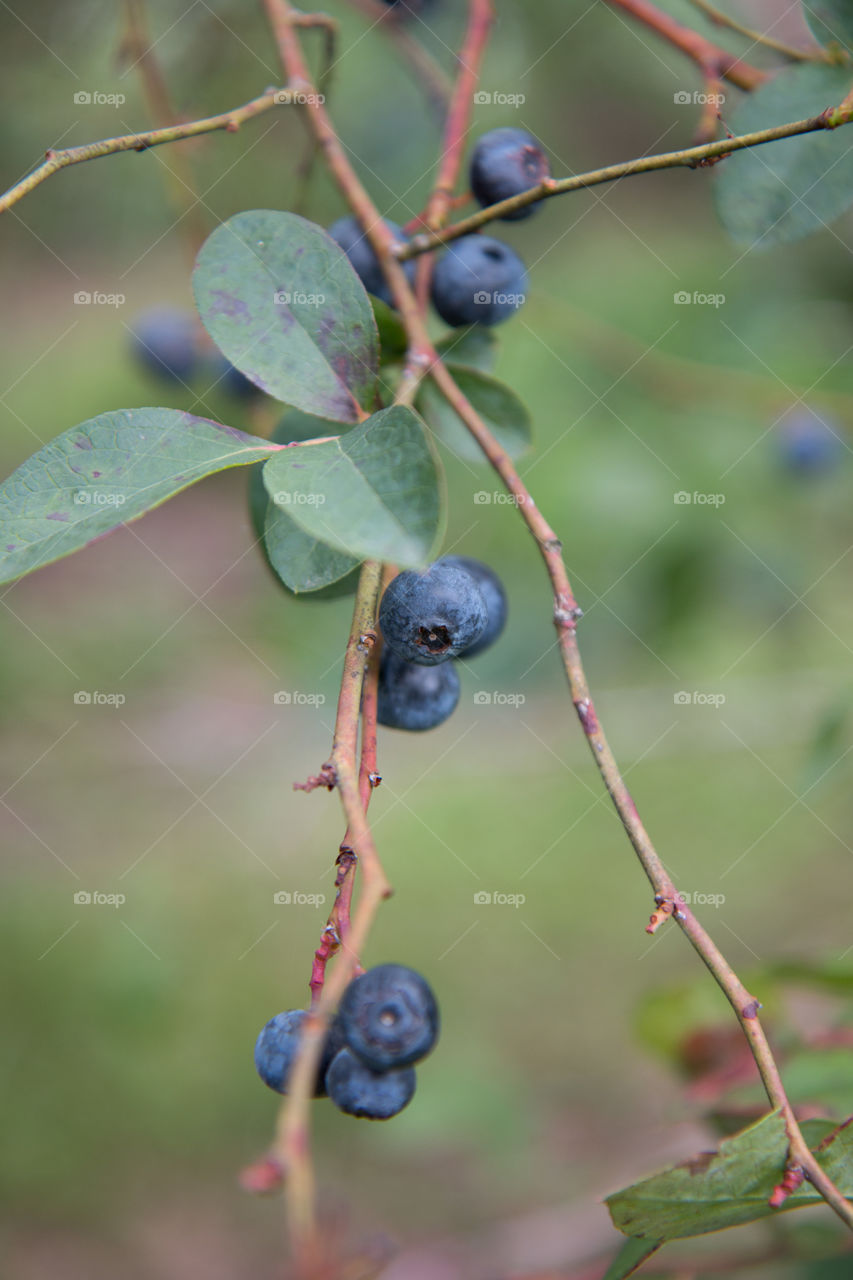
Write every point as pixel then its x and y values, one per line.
pixel 374 492
pixel 300 563
pixel 105 473
pixel 392 334
pixel 730 1186
pixel 631 1256
pixel 281 300
pixel 785 190
pixel 831 21
pixel 304 564
pixel 475 347
pixel 499 406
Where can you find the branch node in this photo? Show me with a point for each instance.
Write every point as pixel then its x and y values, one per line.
pixel 327 777
pixel 263 1176
pixel 751 1010
pixel 661 914
pixel 793 1178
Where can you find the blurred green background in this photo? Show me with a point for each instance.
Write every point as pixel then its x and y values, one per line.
pixel 129 1099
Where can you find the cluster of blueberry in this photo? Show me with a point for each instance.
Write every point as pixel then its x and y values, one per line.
pixel 387 1021
pixel 477 280
pixel 171 344
pixel 457 606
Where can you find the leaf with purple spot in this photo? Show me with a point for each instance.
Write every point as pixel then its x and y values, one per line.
pixel 106 472
pixel 283 304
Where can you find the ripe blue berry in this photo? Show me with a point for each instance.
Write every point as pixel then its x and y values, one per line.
pixel 226 377
pixel 278 1044
pixel 493 594
pixel 348 233
pixel 504 163
pixel 810 445
pixel 165 342
pixel 431 616
pixel 478 281
pixel 370 1095
pixel 389 1017
pixel 414 697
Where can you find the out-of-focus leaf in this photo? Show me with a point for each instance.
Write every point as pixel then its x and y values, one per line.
pixel 784 190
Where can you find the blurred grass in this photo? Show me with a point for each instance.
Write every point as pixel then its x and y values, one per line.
pixel 127 1070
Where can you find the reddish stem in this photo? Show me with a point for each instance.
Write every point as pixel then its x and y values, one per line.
pixel 713 60
pixel 456 126
pixel 337 926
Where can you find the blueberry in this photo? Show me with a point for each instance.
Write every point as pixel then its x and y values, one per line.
pixel 504 163
pixel 478 281
pixel 165 342
pixel 226 377
pixel 278 1044
pixel 348 233
pixel 415 697
pixel 431 616
pixel 810 445
pixel 370 1095
pixel 388 1017
pixel 492 592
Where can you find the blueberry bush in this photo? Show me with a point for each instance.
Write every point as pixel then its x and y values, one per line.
pixel 347 496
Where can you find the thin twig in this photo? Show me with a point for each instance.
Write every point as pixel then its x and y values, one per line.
pixel 710 58
pixel 720 19
pixel 687 158
pixel 480 18
pixel 292 1143
pixel 435 83
pixel 137 50
pixel 566 615
pixel 230 121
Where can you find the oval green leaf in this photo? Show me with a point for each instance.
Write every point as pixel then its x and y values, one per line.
pixel 730 1186
pixel 106 472
pixel 499 407
pixel 300 563
pixel 788 189
pixel 475 347
pixel 281 300
pixel 375 492
pixel 831 21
